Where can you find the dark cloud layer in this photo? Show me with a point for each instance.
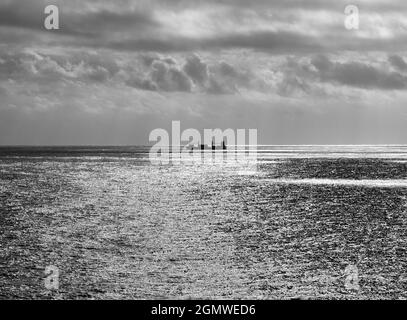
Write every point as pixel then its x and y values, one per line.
pixel 194 74
pixel 146 72
pixel 144 29
pixel 140 30
pixel 278 5
pixel 311 73
pixel 153 72
pixel 398 62
pixel 24 14
pixel 358 74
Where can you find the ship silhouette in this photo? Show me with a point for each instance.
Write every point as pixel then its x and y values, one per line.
pixel 213 147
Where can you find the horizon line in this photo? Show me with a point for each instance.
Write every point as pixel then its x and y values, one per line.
pixel 150 145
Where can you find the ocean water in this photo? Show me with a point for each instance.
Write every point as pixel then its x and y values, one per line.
pixel 118 227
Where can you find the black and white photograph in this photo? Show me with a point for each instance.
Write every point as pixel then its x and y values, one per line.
pixel 174 150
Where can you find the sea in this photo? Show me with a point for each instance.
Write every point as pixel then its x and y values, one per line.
pixel 302 222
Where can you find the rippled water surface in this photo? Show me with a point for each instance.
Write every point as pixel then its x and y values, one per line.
pixel 117 226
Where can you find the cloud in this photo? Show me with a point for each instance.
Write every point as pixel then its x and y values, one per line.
pixel 358 74
pixel 292 85
pixel 398 62
pixel 312 5
pixel 148 59
pixel 22 14
pixel 276 42
pixel 29 14
pixel 345 77
pixel 164 74
pixel 162 77
pixel 33 66
pixel 193 74
pixel 169 78
pixel 196 69
pixel 226 78
pixel 278 27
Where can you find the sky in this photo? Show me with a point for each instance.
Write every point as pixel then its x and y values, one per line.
pixel 116 70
